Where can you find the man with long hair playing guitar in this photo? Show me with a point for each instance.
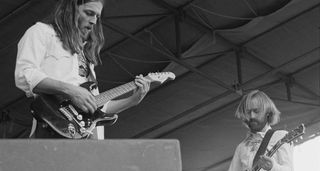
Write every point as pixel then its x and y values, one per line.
pixel 258 113
pixel 59 53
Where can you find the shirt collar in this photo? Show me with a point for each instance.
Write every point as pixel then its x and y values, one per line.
pixel 259 134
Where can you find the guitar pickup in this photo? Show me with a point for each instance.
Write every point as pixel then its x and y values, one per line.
pixel 73 110
pixel 65 112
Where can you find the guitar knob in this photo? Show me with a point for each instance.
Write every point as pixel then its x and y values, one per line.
pixel 71 129
pixel 79 117
pixel 82 130
pixel 82 124
pixel 89 122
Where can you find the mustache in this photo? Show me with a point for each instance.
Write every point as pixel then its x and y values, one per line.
pixel 248 121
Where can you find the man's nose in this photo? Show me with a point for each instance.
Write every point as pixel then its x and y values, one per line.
pixel 251 114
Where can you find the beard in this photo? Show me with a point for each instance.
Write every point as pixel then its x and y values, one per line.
pixel 255 125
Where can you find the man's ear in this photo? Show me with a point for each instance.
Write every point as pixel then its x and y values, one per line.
pixel 269 116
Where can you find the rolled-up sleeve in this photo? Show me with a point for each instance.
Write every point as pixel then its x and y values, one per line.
pixel 31 52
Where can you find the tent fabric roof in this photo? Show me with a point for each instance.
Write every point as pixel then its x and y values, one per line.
pixel 218 50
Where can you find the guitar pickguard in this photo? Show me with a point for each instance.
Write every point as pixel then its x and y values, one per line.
pixel 66 119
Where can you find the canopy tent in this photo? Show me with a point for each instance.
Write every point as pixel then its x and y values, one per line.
pixel 218 49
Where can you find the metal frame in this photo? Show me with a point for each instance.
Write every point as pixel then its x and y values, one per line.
pixel 240 51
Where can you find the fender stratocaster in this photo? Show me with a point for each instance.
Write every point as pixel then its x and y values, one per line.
pixel 70 122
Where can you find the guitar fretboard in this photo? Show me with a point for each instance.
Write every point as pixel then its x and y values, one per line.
pixel 274 148
pixel 104 97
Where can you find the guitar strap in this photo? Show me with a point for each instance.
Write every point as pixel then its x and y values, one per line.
pixel 263 145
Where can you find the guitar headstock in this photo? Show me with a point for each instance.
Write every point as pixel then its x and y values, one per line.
pixel 161 76
pixel 292 135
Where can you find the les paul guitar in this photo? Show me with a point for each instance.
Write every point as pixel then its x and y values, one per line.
pixel 71 122
pixel 292 135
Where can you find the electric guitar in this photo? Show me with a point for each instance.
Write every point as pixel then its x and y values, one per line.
pixel 70 122
pixel 292 135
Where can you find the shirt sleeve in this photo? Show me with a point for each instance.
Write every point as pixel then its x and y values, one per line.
pixel 235 164
pixel 284 158
pixel 31 52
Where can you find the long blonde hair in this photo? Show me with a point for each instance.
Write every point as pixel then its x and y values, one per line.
pixel 64 19
pixel 264 102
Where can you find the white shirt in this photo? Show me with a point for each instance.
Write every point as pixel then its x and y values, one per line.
pixel 246 150
pixel 41 55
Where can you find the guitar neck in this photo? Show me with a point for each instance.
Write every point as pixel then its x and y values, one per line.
pixel 104 97
pixel 274 149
